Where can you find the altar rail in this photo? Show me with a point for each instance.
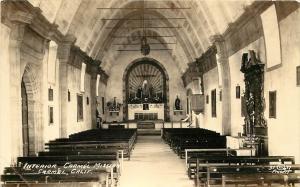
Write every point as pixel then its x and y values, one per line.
pixel 159 124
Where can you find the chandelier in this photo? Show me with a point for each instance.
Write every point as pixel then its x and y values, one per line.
pixel 145 47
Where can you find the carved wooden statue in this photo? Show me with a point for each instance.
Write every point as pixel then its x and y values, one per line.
pixel 177 103
pixel 253 71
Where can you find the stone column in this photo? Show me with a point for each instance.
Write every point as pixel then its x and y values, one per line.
pixel 93 100
pixel 224 82
pixel 17 23
pixel 64 56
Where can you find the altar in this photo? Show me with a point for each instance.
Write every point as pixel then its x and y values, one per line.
pixel 146 111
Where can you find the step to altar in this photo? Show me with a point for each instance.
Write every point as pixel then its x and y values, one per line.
pixel 146 125
pixel 148 132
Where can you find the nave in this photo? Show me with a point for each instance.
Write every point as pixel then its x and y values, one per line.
pixel 154 164
pixel 219 78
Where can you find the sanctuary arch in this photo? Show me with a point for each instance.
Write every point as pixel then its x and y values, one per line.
pixel 146 91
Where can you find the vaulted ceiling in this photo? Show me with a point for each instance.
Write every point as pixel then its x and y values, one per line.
pixel 103 39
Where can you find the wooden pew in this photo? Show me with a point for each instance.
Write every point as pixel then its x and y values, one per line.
pixel 97 139
pixel 197 153
pixel 92 147
pixel 214 174
pixel 204 142
pixel 100 177
pixel 181 139
pixel 260 179
pixel 198 165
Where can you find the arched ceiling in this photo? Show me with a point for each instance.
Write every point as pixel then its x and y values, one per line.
pixel 81 18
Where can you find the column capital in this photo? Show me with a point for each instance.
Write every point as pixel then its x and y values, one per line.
pixel 218 38
pixel 20 17
pixel 17 22
pixel 219 42
pixel 94 71
pixel 64 47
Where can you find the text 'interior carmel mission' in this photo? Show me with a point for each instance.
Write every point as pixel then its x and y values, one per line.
pixel 149 93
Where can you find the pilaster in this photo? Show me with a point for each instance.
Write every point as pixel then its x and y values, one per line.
pixel 17 22
pixel 94 71
pixel 64 56
pixel 224 82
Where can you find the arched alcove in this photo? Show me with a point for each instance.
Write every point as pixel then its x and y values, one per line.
pixel 34 131
pixel 150 74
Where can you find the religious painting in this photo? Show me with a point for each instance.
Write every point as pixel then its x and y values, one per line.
pixel 103 105
pixel 51 115
pixel 207 99
pixel 272 104
pixel 238 92
pixel 298 75
pixel 79 107
pixel 214 103
pixel 69 95
pixel 50 94
pixel 145 106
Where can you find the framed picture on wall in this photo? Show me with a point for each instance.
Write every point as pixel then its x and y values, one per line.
pixel 50 94
pixel 51 115
pixel 79 107
pixel 272 104
pixel 298 75
pixel 103 105
pixel 214 103
pixel 69 95
pixel 238 92
pixel 207 99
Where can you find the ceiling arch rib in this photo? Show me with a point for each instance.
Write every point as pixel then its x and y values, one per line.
pixel 104 48
pixel 83 20
pixel 64 18
pixel 134 37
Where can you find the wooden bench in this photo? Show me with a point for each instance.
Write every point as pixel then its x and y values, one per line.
pixel 100 177
pixel 199 166
pixel 260 179
pixel 197 153
pixel 96 139
pixel 181 139
pixel 213 174
pixel 101 148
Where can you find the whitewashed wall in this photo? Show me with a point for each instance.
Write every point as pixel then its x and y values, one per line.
pixel 211 82
pixel 5 134
pixel 73 125
pixel 284 131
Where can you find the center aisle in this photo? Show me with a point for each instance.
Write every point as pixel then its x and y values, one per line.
pixel 154 164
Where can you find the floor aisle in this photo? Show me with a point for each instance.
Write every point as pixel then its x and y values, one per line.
pixel 154 164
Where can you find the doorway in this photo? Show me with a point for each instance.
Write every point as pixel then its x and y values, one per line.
pixel 25 127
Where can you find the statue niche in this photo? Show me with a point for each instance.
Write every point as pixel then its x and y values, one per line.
pixel 146 85
pixel 177 103
pixel 146 89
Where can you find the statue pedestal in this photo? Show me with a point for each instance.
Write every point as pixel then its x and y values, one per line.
pixel 260 131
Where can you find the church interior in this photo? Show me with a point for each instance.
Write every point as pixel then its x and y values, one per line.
pixel 149 93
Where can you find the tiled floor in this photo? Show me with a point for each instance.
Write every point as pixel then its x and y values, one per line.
pixel 154 164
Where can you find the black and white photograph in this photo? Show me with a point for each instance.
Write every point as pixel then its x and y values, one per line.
pixel 150 93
